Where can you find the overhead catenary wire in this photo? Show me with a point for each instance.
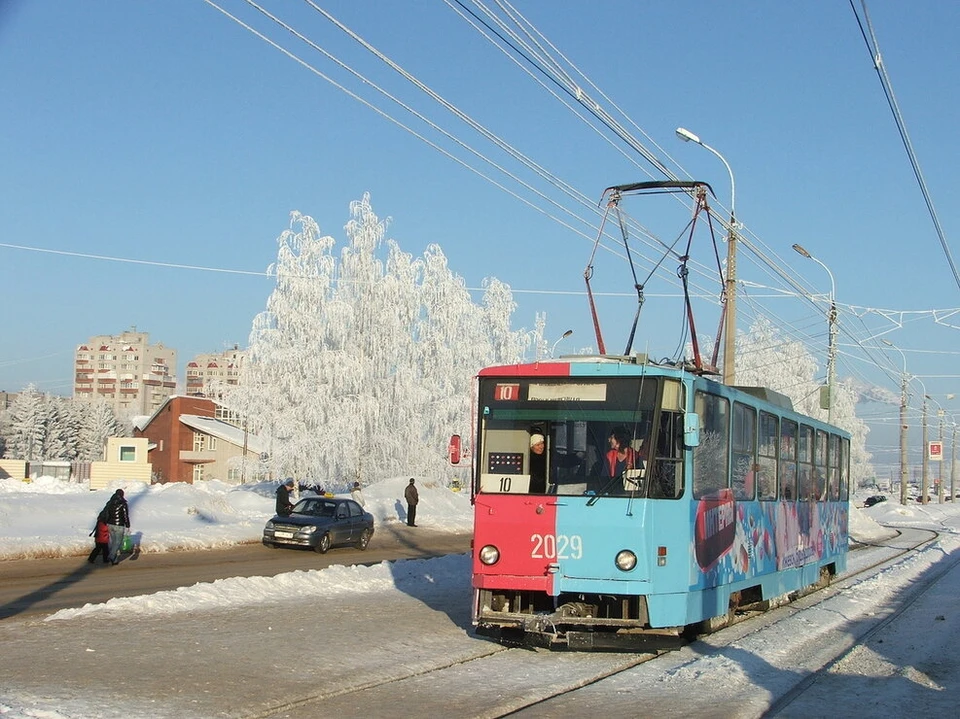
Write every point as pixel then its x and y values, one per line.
pixel 873 47
pixel 766 266
pixel 579 197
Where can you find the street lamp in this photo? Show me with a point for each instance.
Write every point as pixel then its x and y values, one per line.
pixel 903 423
pixel 562 338
pixel 832 341
pixel 730 286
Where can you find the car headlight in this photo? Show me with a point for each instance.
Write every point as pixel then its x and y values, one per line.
pixel 269 525
pixel 626 560
pixel 489 554
pixel 308 530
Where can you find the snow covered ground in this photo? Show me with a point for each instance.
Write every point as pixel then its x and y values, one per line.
pixel 907 668
pixel 51 518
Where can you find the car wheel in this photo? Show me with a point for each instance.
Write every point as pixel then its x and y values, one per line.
pixel 269 544
pixel 323 546
pixel 364 539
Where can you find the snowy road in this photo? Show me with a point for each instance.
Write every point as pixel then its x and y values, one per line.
pixel 43 586
pixel 408 650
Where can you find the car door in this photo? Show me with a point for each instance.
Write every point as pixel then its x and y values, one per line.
pixel 357 521
pixel 343 530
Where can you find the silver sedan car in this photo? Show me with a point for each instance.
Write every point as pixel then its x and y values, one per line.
pixel 320 523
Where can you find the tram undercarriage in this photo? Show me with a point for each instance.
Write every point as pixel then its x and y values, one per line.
pixel 602 622
pixel 577 622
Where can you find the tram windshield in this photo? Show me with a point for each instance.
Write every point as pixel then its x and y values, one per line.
pixel 566 436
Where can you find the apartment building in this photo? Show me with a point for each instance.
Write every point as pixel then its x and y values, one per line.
pixel 206 372
pixel 127 371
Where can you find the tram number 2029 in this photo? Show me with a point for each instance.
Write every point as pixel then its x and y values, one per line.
pixel 556 546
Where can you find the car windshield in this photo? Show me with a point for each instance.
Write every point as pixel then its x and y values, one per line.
pixel 315 508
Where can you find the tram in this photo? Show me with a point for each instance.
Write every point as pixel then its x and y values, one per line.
pixel 724 497
pixel 621 503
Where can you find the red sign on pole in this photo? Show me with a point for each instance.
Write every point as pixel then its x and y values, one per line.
pixel 935 451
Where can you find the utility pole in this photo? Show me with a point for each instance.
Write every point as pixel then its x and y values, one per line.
pixel 903 439
pixel 940 466
pixel 904 400
pixel 953 465
pixel 924 479
pixel 832 337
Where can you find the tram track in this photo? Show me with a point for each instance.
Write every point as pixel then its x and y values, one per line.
pixel 919 590
pixel 528 682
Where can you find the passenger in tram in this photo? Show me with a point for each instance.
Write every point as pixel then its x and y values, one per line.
pixel 621 456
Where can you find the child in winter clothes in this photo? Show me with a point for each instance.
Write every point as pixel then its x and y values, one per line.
pixel 101 535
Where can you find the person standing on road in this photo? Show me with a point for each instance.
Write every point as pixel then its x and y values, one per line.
pixel 101 535
pixel 118 522
pixel 413 498
pixel 357 494
pixel 284 505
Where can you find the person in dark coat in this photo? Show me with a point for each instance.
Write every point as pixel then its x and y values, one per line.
pixel 118 522
pixel 101 535
pixel 413 498
pixel 284 505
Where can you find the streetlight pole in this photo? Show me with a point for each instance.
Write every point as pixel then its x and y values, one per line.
pixel 730 286
pixel 562 338
pixel 903 424
pixel 832 338
pixel 940 466
pixel 924 477
pixel 953 464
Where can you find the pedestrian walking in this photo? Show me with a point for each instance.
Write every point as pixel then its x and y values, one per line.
pixel 118 522
pixel 413 498
pixel 101 537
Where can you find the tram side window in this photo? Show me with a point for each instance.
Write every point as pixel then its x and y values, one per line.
pixel 744 470
pixel 788 460
pixel 767 456
pixel 820 466
pixel 844 469
pixel 667 479
pixel 833 468
pixel 805 462
pixel 711 456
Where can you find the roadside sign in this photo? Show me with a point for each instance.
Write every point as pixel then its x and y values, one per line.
pixel 935 451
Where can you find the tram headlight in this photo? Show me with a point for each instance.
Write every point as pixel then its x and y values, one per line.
pixel 626 560
pixel 489 554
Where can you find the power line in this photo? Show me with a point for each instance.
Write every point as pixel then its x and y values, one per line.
pixel 873 47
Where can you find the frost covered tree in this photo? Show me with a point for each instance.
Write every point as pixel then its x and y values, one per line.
pixel 766 358
pixel 27 425
pixel 97 422
pixel 59 439
pixel 40 427
pixel 361 366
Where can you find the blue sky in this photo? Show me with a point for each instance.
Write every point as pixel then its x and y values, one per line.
pixel 167 133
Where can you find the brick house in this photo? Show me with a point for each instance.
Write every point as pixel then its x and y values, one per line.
pixel 191 439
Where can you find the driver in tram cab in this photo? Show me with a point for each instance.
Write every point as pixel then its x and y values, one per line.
pixel 538 463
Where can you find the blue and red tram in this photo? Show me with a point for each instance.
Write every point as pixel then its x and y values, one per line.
pixel 619 502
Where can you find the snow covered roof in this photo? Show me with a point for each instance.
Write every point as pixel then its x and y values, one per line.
pixel 223 430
